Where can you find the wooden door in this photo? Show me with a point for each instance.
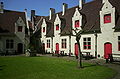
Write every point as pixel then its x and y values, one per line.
pixel 107 50
pixel 57 48
pixel 76 49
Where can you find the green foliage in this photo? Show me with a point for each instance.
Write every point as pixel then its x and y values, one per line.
pixel 49 68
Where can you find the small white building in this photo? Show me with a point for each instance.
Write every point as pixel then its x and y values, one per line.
pixel 99 20
pixel 13 31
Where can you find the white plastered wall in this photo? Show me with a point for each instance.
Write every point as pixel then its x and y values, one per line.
pixel 56 38
pixel 76 16
pixel 43 34
pixel 107 32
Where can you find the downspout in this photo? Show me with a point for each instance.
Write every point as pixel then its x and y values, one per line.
pixel 95 44
pixel 69 45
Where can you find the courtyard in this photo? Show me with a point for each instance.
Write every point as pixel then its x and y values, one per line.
pixel 20 67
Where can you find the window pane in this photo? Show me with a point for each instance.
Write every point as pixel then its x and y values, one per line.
pixel 118 46
pixel 84 39
pixel 84 43
pixel 7 45
pixel 89 47
pixel 89 43
pixel 107 18
pixel 11 45
pixel 119 38
pixel 57 27
pixel 77 23
pixel 85 47
pixel 89 39
pixel 43 29
pixel 19 28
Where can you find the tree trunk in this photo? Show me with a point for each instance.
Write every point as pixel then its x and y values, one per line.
pixel 79 54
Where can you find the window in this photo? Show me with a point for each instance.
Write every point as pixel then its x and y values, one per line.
pixel 64 44
pixel 48 43
pixel 107 18
pixel 19 28
pixel 57 27
pixel 87 43
pixel 77 23
pixel 43 29
pixel 118 43
pixel 9 44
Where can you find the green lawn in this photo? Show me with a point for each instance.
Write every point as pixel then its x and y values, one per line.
pixel 49 68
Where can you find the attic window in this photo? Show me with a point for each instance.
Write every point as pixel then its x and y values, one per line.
pixel 19 28
pixel 57 27
pixel 107 18
pixel 43 29
pixel 77 24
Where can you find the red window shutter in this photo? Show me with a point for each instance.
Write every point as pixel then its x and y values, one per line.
pixel 19 28
pixel 43 29
pixel 107 18
pixel 77 24
pixel 57 27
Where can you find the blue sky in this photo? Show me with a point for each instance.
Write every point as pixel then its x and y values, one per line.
pixel 41 6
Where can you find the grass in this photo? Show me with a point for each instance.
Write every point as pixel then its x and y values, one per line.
pixel 49 68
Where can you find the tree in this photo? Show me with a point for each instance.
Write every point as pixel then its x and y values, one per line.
pixel 78 37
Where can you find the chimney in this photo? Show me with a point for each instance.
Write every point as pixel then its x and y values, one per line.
pixel 26 18
pixel 1 7
pixel 32 14
pixel 52 11
pixel 81 2
pixel 65 6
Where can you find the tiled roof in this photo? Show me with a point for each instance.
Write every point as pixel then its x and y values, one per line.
pixel 91 11
pixel 90 20
pixel 8 19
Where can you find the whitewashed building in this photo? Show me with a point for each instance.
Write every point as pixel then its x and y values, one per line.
pixel 13 31
pixel 99 20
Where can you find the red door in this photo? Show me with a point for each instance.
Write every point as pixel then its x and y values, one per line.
pixel 57 48
pixel 107 50
pixel 76 49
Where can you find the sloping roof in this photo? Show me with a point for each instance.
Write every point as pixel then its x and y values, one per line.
pixel 50 26
pixel 68 18
pixel 91 11
pixel 90 20
pixel 8 19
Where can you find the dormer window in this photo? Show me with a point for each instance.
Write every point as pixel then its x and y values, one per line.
pixel 107 18
pixel 77 24
pixel 43 29
pixel 19 28
pixel 57 27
